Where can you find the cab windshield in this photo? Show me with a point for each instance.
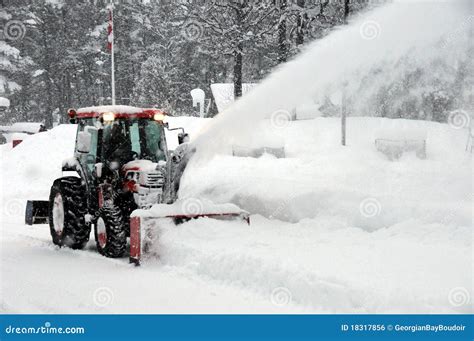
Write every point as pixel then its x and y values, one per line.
pixel 125 140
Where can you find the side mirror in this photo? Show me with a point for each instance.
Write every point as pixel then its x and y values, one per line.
pixel 183 137
pixel 176 158
pixel 84 142
pixel 98 169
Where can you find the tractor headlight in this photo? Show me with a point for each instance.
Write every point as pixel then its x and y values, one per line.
pixel 114 165
pixel 108 116
pixel 160 117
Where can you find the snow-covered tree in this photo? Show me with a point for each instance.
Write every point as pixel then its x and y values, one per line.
pixel 234 29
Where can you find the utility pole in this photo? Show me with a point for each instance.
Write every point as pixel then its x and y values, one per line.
pixel 343 98
pixel 343 116
pixel 110 39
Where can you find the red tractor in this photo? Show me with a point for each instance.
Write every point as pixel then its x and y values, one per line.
pixel 121 163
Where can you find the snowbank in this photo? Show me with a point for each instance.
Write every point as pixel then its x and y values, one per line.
pixel 327 266
pixel 320 178
pixel 401 134
pixel 30 168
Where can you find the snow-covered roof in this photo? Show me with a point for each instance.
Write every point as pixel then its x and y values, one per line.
pixel 223 93
pixel 27 127
pixel 4 102
pixel 22 127
pixel 119 111
pixel 124 109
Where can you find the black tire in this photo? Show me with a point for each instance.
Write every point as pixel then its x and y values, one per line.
pixel 29 213
pixel 111 232
pixel 72 230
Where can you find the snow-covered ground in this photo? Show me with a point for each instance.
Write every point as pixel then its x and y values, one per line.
pixel 333 230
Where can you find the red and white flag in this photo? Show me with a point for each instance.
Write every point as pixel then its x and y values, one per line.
pixel 110 31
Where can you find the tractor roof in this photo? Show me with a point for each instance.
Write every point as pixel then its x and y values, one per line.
pixel 119 111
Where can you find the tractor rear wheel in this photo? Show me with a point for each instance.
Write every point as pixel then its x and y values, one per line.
pixel 111 232
pixel 67 210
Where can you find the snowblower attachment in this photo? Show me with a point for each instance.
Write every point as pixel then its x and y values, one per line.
pixel 36 212
pixel 145 223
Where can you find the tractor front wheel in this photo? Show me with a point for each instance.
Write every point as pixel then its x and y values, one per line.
pixel 110 232
pixel 67 210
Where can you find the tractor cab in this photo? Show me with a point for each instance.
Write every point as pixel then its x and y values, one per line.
pixel 115 135
pixel 124 148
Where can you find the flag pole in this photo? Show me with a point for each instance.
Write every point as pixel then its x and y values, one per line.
pixel 112 59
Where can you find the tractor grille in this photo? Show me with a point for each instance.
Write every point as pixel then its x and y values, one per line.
pixel 154 180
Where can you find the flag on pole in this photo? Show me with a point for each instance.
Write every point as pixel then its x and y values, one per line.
pixel 110 31
pixel 110 46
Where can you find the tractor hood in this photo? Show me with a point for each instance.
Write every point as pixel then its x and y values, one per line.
pixel 140 166
pixel 144 173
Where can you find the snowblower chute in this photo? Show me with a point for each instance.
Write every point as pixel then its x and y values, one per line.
pixel 122 170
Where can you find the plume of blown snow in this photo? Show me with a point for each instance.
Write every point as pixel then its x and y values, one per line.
pixel 384 35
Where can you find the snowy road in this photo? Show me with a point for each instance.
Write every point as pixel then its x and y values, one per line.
pixel 208 266
pixel 38 277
